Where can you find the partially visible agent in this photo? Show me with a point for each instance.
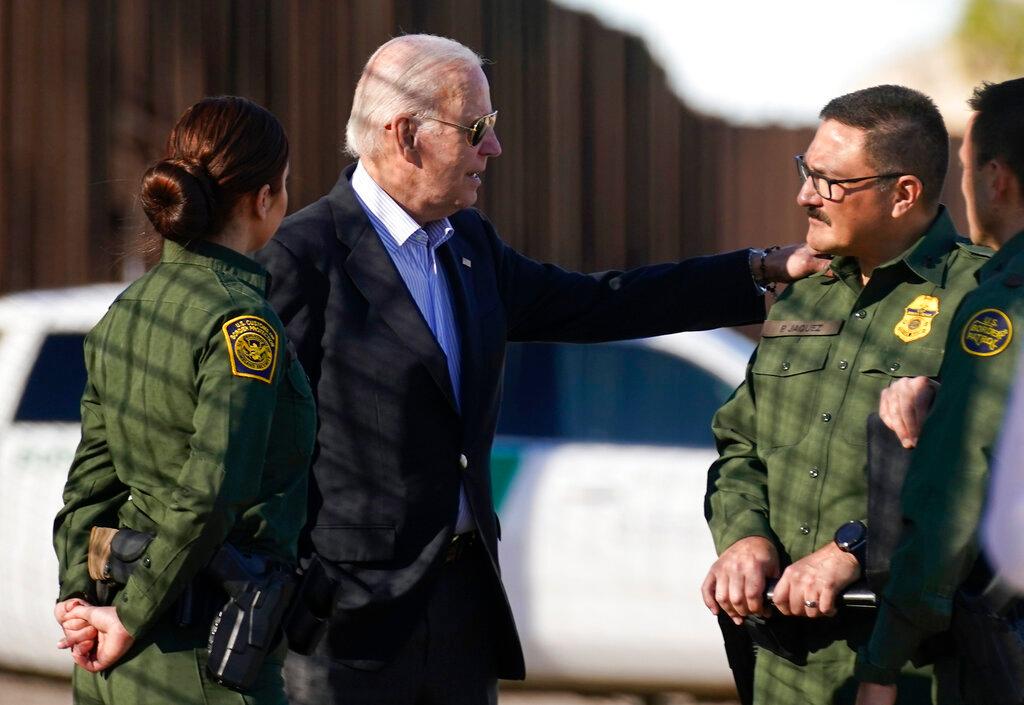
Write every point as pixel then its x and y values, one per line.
pixel 946 484
pixel 197 426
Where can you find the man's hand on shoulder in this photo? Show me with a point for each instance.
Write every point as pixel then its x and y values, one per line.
pixel 904 406
pixel 736 581
pixel 793 262
pixel 809 587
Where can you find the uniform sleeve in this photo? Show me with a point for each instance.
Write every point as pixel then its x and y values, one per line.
pixel 546 303
pixel 1003 523
pixel 92 495
pixel 942 501
pixel 736 504
pixel 236 393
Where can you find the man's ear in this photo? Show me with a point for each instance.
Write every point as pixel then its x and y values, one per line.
pixel 402 136
pixel 1002 182
pixel 906 193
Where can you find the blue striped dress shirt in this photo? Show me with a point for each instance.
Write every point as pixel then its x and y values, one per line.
pixel 413 249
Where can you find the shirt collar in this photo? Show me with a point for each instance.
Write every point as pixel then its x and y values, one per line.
pixel 386 212
pixel 1002 257
pixel 217 257
pixel 926 257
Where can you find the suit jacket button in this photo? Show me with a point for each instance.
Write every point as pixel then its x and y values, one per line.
pixel 463 461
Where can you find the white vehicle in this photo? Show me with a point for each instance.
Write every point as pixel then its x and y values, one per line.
pixel 599 477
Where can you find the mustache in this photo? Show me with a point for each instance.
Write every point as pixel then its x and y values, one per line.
pixel 816 213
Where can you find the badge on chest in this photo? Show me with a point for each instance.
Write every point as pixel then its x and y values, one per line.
pixel 917 318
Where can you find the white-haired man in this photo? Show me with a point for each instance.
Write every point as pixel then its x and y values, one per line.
pixel 400 299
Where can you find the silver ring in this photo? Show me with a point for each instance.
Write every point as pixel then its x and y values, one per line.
pixel 810 603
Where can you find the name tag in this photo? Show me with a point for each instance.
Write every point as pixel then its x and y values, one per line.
pixel 777 329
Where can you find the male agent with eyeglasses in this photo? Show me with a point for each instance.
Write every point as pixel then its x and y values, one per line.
pixel 788 495
pixel 400 299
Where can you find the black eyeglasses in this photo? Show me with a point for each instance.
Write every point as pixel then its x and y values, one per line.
pixel 476 131
pixel 823 185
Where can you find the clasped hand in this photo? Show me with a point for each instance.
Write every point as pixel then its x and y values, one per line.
pixel 808 588
pixel 95 635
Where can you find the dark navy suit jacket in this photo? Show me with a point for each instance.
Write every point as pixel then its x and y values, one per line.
pixel 391 441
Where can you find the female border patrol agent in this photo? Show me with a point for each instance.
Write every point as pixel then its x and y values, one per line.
pixel 197 423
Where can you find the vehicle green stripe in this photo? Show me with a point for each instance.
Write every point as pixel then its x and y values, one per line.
pixel 504 466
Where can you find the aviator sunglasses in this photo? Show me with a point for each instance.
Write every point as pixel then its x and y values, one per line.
pixel 476 131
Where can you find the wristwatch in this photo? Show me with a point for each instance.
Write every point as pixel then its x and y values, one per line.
pixel 852 537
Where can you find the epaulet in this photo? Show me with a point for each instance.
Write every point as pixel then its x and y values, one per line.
pixel 977 250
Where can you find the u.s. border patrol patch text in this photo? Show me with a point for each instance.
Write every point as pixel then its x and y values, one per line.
pixel 987 333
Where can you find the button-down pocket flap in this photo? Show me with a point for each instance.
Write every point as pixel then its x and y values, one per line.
pixel 924 362
pixel 344 544
pixel 803 355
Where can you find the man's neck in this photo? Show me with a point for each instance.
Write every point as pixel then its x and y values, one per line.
pixel 392 183
pixel 897 243
pixel 1009 227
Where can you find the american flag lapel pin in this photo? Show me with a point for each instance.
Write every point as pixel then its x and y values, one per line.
pixel 466 262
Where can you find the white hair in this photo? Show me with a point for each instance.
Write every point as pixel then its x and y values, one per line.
pixel 404 75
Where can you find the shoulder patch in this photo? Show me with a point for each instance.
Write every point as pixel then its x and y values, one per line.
pixel 987 333
pixel 252 347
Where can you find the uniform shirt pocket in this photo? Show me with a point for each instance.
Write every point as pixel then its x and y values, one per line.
pixel 877 368
pixel 786 386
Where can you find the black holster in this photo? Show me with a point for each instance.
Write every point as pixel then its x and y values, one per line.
pixel 126 551
pixel 248 627
pixel 779 634
pixel 243 630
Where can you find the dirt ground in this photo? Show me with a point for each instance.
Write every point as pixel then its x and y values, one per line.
pixel 18 689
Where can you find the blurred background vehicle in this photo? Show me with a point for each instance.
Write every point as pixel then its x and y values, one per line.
pixel 599 474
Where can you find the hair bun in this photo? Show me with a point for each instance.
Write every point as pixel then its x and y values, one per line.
pixel 178 198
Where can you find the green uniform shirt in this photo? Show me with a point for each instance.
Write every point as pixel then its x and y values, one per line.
pixel 792 439
pixel 197 425
pixel 948 476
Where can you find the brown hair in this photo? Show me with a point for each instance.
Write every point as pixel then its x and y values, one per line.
pixel 220 150
pixel 905 132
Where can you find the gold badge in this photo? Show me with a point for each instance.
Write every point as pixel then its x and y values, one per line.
pixel 252 347
pixel 987 333
pixel 917 319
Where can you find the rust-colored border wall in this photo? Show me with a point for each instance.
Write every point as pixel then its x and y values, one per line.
pixel 603 166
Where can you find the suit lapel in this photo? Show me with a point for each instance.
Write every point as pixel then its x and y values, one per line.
pixel 371 269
